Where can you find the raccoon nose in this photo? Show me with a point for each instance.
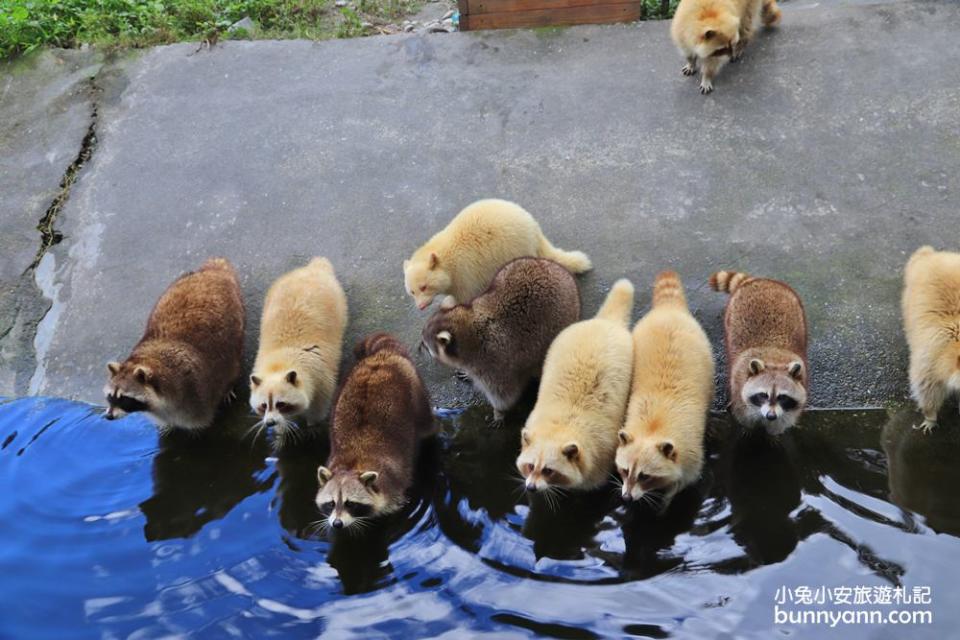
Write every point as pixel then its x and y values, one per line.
pixel 530 485
pixel 109 415
pixel 771 416
pixel 626 496
pixel 338 524
pixel 270 422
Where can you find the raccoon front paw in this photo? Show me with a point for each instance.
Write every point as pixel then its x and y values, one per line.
pixel 496 421
pixel 462 376
pixel 927 426
pixel 688 70
pixel 706 87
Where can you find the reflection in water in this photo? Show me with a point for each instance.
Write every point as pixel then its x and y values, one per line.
pixel 199 478
pixel 231 549
pixel 923 469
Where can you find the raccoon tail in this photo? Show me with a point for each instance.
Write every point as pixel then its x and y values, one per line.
pixel 321 263
pixel 770 13
pixel 378 342
pixel 619 303
pixel 728 281
pixel 572 261
pixel 668 289
pixel 217 263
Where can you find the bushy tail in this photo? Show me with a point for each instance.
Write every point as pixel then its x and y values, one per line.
pixel 217 263
pixel 376 342
pixel 668 289
pixel 728 281
pixel 770 13
pixel 572 261
pixel 619 303
pixel 321 263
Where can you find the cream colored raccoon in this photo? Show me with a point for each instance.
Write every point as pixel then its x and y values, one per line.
pixel 570 437
pixel 295 374
pixel 462 259
pixel 931 320
pixel 661 443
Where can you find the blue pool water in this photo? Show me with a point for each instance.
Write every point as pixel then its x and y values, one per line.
pixel 109 531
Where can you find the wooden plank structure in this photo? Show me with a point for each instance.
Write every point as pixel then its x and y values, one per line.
pixel 511 14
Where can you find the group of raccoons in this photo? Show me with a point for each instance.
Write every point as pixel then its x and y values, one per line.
pixel 607 399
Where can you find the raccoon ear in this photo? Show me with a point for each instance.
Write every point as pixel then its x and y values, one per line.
pixel 571 450
pixel 708 34
pixel 625 438
pixel 449 302
pixel 142 375
pixel 323 475
pixel 525 437
pixel 756 366
pixel 113 368
pixel 369 477
pixel 795 369
pixel 444 338
pixel 668 450
pixel 291 377
pixel 434 261
pixel 255 381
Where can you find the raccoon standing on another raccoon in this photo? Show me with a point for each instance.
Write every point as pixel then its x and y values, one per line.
pixel 190 355
pixel 766 335
pixel 711 32
pixel 501 337
pixel 381 412
pixel 661 443
pixel 462 259
pixel 295 374
pixel 570 437
pixel 931 320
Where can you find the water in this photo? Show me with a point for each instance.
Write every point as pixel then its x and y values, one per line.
pixel 109 532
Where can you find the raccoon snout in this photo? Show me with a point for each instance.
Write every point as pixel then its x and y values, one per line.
pixel 338 524
pixel 530 486
pixel 771 415
pixel 109 414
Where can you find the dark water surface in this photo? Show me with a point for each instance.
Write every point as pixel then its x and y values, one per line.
pixel 110 532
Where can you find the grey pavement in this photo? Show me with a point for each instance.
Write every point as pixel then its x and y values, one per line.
pixel 824 158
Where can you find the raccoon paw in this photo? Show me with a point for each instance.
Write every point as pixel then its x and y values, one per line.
pixel 461 375
pixel 706 87
pixel 927 426
pixel 496 421
pixel 688 70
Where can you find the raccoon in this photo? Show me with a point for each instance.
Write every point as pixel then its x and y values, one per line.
pixel 295 374
pixel 709 33
pixel 570 437
pixel 462 259
pixel 190 355
pixel 380 413
pixel 500 338
pixel 766 336
pixel 931 321
pixel 661 443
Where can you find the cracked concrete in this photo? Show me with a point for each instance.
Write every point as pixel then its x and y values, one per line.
pixel 824 158
pixel 45 107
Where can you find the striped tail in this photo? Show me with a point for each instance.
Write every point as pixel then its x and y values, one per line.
pixel 728 281
pixel 668 289
pixel 619 303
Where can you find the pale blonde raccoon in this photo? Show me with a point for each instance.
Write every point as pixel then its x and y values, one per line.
pixel 462 259
pixel 931 321
pixel 570 437
pixel 661 443
pixel 711 32
pixel 301 335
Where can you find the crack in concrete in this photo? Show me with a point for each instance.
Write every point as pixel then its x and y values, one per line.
pixel 49 235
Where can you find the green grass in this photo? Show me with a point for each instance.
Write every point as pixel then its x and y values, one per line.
pixel 28 24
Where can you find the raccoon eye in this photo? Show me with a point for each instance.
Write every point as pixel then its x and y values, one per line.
pixel 282 407
pixel 262 408
pixel 786 402
pixel 642 477
pixel 758 399
pixel 326 507
pixel 546 472
pixel 423 287
pixel 624 473
pixel 350 504
pixel 527 468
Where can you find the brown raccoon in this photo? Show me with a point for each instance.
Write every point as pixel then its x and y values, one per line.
pixel 766 335
pixel 378 417
pixel 500 338
pixel 190 355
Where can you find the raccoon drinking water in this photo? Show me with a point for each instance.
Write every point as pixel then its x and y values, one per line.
pixel 190 355
pixel 500 338
pixel 379 415
pixel 766 335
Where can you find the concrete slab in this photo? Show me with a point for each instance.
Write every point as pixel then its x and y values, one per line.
pixel 823 158
pixel 46 107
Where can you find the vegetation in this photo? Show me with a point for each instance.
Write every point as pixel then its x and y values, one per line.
pixel 28 24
